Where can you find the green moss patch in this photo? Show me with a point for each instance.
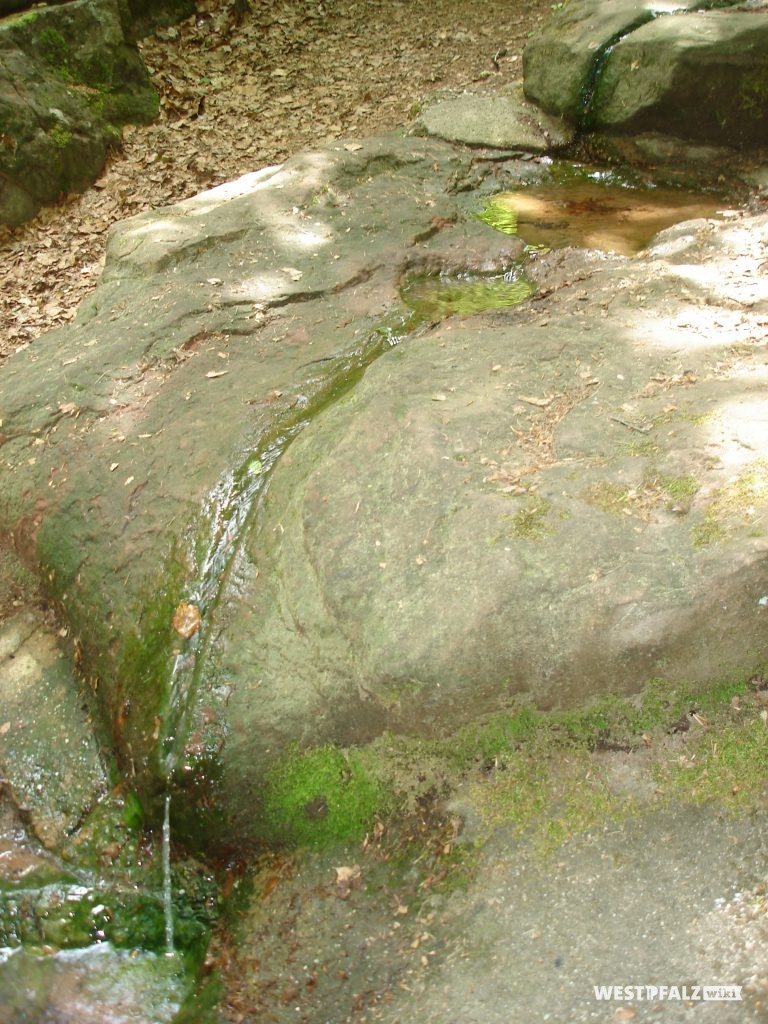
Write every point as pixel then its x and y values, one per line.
pixel 321 796
pixel 60 136
pixel 55 51
pixel 529 523
pixel 545 774
pixel 680 490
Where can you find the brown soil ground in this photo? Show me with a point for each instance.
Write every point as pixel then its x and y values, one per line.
pixel 244 86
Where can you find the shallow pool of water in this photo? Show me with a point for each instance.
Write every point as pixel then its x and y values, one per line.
pixel 589 210
pixel 433 297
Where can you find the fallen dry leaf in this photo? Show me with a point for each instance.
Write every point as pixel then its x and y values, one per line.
pixel 347 879
pixel 187 619
pixel 310 76
pixel 346 875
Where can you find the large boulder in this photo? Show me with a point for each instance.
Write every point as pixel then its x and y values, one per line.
pixel 627 68
pixel 547 503
pixel 560 64
pixel 218 323
pixel 68 81
pixel 257 542
pixel 701 76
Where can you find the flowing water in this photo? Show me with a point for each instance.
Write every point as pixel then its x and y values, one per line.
pixel 236 499
pixel 167 892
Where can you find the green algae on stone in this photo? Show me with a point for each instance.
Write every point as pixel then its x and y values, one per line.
pixel 500 217
pixel 435 297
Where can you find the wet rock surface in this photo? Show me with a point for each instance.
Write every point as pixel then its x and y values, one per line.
pixel 265 300
pixel 275 509
pixel 89 986
pixel 48 754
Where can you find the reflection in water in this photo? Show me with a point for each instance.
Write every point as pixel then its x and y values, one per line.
pixel 433 297
pixel 590 213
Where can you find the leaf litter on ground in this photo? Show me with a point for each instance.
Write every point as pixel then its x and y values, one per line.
pixel 244 84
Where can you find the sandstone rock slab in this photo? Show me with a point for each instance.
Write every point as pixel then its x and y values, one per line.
pixel 501 119
pixel 699 76
pixel 541 504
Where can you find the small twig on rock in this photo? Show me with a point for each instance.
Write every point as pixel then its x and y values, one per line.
pixel 630 426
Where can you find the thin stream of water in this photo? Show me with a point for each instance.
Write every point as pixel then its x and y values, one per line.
pixel 229 507
pixel 167 894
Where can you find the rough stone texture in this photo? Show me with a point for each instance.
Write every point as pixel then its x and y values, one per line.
pixel 667 899
pixel 696 76
pixel 450 535
pixel 628 67
pixel 48 755
pixel 90 987
pixel 673 897
pixel 504 120
pixel 68 80
pixel 559 63
pixel 554 501
pixel 256 297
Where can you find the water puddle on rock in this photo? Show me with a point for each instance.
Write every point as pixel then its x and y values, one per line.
pixel 432 297
pixel 592 209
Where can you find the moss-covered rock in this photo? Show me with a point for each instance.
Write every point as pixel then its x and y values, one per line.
pixel 624 68
pixel 68 80
pixel 698 76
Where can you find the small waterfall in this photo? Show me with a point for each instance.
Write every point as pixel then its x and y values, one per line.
pixel 167 894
